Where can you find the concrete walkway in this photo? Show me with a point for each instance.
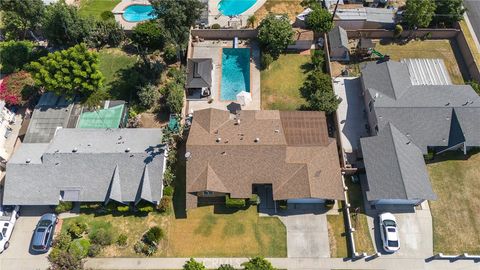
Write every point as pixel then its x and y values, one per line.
pixel 285 263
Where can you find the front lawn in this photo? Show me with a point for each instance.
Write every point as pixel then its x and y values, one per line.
pixel 282 81
pixel 96 7
pixel 337 236
pixel 443 49
pixel 456 212
pixel 115 65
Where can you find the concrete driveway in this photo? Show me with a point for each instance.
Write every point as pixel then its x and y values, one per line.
pixel 18 256
pixel 307 234
pixel 415 230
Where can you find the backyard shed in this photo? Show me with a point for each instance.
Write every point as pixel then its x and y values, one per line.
pixel 338 41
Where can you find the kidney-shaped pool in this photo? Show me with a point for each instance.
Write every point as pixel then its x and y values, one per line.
pixel 235 7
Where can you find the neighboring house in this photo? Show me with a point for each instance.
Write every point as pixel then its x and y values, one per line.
pixel 365 18
pixel 88 165
pixel 199 77
pixel 287 152
pixel 53 112
pixel 338 44
pixel 408 120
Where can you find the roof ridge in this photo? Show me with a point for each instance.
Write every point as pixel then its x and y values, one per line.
pixel 391 126
pixel 302 165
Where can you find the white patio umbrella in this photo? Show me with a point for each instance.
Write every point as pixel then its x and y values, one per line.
pixel 244 98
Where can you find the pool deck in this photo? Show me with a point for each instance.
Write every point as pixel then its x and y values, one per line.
pixel 213 49
pixel 215 16
pixel 119 9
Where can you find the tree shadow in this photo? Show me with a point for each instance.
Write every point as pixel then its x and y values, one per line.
pixel 179 194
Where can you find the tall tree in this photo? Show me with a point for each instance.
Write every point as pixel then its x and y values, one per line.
pixel 149 36
pixel 419 13
pixel 317 90
pixel 319 20
pixel 14 55
pixel 275 34
pixel 448 12
pixel 70 73
pixel 63 26
pixel 21 16
pixel 177 16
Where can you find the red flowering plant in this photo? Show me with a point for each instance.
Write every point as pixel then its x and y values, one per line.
pixel 16 88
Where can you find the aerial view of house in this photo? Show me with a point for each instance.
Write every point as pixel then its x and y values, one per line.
pixel 239 134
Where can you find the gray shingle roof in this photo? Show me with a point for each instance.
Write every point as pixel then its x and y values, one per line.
pixel 338 38
pixel 395 167
pixel 100 169
pixel 424 112
pixel 199 72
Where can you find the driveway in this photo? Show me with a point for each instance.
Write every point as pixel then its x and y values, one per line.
pixel 18 256
pixel 307 234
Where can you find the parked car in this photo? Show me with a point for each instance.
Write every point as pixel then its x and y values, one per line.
pixel 8 217
pixel 43 234
pixel 389 232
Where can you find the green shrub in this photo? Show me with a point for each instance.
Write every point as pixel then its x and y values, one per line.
pixel 90 206
pixel 254 199
pixel 139 247
pixel 63 207
pixel 226 267
pixel 170 54
pixel 77 229
pixel 216 26
pixel 102 236
pixel 123 208
pixel 148 95
pixel 283 204
pixel 153 235
pixel 234 203
pixel 168 191
pixel 55 254
pixel 62 241
pixel 193 265
pixel 318 59
pixel 79 248
pixel 266 60
pixel 107 15
pixel 94 250
pixel 122 240
pixel 165 204
pixel 146 209
pixel 398 30
pixel 258 263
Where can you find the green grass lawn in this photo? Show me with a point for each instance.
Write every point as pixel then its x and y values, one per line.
pixel 442 49
pixel 281 82
pixel 114 64
pixel 456 212
pixel 96 7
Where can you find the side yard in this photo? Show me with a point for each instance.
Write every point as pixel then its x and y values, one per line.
pixel 455 214
pixel 96 7
pixel 290 7
pixel 282 81
pixel 443 49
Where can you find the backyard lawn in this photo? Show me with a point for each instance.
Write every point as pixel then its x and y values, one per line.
pixel 114 64
pixel 290 7
pixel 456 212
pixel 96 7
pixel 443 49
pixel 282 81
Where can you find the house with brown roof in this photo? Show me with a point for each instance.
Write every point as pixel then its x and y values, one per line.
pixel 290 152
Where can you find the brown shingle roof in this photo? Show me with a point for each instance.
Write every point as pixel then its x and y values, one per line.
pixel 290 150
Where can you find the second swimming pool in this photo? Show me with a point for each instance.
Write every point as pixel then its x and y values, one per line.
pixel 235 72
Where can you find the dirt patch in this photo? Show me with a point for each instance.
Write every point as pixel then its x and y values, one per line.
pixel 290 7
pixel 153 120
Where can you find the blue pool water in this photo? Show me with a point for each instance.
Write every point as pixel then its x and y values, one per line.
pixel 138 13
pixel 235 72
pixel 235 7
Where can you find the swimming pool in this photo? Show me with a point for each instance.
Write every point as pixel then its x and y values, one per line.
pixel 235 72
pixel 138 13
pixel 235 7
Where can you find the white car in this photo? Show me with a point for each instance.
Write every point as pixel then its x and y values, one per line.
pixel 389 232
pixel 8 217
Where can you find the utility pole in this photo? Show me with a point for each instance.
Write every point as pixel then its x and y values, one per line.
pixel 335 10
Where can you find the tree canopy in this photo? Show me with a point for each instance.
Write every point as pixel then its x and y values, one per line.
pixel 70 73
pixel 149 36
pixel 317 90
pixel 319 20
pixel 14 55
pixel 19 17
pixel 193 265
pixel 419 13
pixel 275 34
pixel 63 26
pixel 448 12
pixel 177 16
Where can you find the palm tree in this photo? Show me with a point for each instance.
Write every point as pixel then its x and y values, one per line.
pixel 251 21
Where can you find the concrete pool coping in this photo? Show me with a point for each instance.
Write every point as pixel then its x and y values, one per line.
pixel 119 9
pixel 250 59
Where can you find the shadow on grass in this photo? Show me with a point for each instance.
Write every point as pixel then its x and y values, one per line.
pixel 124 87
pixel 453 155
pixel 179 194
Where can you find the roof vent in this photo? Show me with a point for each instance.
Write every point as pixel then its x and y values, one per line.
pixel 257 140
pixel 127 150
pixel 237 122
pixel 377 95
pixel 218 140
pixel 120 137
pixel 188 155
pixel 448 104
pixel 223 153
pixel 409 142
pixel 28 160
pixel 74 150
pixel 277 130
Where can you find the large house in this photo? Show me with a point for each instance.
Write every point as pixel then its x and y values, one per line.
pixel 88 165
pixel 290 152
pixel 407 119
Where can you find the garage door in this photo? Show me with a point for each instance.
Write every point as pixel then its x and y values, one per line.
pixel 409 202
pixel 306 200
